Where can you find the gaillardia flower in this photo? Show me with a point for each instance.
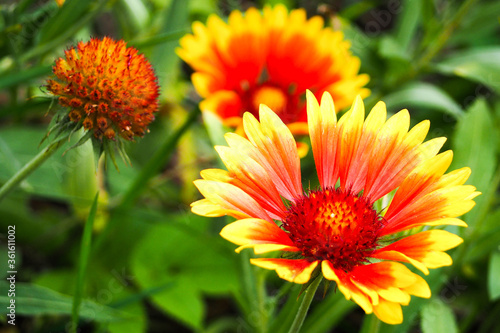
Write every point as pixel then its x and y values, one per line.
pixel 270 58
pixel 335 229
pixel 108 88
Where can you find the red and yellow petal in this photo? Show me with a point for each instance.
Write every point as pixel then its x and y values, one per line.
pixel 261 235
pixel 356 174
pixel 348 137
pixel 379 287
pixel 293 270
pixel 276 144
pixel 388 312
pixel 395 154
pixel 424 247
pixel 441 204
pixel 322 130
pixel 252 178
pixel 228 197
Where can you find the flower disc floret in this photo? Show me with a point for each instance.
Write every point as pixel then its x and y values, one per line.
pixel 108 88
pixel 334 225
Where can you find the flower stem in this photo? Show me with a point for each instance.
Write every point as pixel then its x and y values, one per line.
pixel 304 306
pixel 371 324
pixel 441 40
pixel 30 167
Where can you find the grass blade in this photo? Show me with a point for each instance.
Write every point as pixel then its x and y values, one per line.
pixel 83 262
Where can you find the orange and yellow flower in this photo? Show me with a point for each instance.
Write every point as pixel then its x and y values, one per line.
pixel 335 228
pixel 110 89
pixel 270 58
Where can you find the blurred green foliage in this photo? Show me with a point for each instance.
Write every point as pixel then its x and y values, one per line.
pixel 153 266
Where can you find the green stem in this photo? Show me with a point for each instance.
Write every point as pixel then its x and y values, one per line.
pixel 437 45
pixel 262 301
pixel 304 306
pixel 371 324
pixel 30 167
pixel 441 40
pixel 82 264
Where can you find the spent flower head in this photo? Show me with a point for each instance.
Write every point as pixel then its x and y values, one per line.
pixel 107 88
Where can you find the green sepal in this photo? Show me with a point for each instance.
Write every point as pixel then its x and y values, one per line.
pixel 80 142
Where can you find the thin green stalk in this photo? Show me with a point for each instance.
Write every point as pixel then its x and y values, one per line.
pixel 371 324
pixel 30 167
pixel 304 306
pixel 434 48
pixel 441 40
pixel 158 39
pixel 262 301
pixel 83 263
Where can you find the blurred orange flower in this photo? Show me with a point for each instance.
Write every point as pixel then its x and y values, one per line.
pixel 335 230
pixel 270 58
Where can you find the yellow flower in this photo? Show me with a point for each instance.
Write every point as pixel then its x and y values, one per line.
pixel 270 58
pixel 335 229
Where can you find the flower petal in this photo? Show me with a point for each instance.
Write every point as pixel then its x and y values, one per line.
pixel 356 174
pixel 293 270
pixel 322 122
pixel 261 235
pixel 346 286
pixel 388 312
pixel 395 154
pixel 252 178
pixel 230 198
pixel 277 146
pixel 425 247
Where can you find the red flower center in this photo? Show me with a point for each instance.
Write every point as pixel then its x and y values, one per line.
pixel 334 225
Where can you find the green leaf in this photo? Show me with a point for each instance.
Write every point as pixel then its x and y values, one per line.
pixel 24 76
pixel 70 12
pixel 474 146
pixel 110 286
pixel 46 180
pixel 193 263
pixel 389 48
pixel 423 95
pixel 407 21
pixel 493 276
pixel 163 58
pixel 487 239
pixel 32 300
pixel 83 261
pixel 437 317
pixel 481 65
